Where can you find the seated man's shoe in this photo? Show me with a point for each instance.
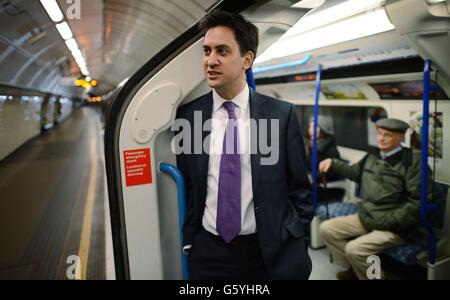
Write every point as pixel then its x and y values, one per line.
pixel 347 275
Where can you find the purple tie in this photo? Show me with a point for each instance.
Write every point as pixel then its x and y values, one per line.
pixel 229 196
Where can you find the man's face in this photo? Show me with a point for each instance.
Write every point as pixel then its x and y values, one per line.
pixel 222 61
pixel 388 140
pixel 311 130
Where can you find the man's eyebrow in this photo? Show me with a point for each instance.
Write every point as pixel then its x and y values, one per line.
pixel 223 46
pixel 218 46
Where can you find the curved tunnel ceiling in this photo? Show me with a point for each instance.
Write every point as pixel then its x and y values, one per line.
pixel 119 36
pixel 116 37
pixel 32 54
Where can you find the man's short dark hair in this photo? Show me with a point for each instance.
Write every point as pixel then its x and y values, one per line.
pixel 245 33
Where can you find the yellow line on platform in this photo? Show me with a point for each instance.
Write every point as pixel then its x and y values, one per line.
pixel 83 252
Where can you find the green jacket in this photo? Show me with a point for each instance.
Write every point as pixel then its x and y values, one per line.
pixel 390 191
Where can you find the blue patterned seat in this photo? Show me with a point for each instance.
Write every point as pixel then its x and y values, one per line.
pixel 407 253
pixel 336 209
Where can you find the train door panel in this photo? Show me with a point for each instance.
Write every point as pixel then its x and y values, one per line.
pixel 143 206
pixel 149 197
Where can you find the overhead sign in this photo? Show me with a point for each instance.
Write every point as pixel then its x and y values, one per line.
pixel 137 167
pixel 84 83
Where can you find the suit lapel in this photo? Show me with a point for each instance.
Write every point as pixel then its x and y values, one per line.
pixel 257 113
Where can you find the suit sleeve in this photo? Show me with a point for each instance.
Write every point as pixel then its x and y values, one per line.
pixel 189 221
pixel 299 186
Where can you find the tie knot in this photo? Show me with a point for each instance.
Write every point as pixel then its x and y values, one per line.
pixel 229 106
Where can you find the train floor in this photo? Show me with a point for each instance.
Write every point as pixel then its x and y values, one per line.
pixel 53 203
pixel 322 268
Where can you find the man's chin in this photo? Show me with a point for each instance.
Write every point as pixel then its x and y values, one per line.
pixel 386 149
pixel 213 84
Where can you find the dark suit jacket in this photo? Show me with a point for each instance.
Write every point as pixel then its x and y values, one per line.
pixel 281 192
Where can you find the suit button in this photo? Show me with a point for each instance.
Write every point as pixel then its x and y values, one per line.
pixel 256 208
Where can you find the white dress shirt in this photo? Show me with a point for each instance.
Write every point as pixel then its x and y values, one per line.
pixel 219 123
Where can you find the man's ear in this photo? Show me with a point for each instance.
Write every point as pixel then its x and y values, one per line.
pixel 249 57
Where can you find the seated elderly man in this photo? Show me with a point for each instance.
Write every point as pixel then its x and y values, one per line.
pixel 389 212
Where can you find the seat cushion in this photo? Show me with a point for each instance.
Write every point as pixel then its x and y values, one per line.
pixel 336 209
pixel 407 253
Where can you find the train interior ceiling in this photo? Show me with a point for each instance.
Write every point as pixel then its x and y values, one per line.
pixel 371 67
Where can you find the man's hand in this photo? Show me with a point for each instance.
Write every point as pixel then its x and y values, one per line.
pixel 325 165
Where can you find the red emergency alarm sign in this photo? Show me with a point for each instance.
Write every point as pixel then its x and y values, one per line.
pixel 138 169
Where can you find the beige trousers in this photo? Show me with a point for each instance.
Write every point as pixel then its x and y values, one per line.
pixel 350 243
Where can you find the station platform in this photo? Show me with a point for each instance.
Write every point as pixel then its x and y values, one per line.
pixel 53 204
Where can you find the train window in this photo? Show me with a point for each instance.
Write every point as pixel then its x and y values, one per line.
pixel 353 125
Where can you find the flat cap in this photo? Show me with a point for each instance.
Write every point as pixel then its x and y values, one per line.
pixel 393 125
pixel 325 123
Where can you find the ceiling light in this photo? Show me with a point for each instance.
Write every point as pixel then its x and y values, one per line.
pixel 308 3
pixel 78 57
pixel 342 31
pixel 72 45
pixel 330 13
pixel 76 53
pixel 53 10
pixel 64 30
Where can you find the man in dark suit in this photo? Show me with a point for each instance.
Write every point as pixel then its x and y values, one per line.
pixel 248 210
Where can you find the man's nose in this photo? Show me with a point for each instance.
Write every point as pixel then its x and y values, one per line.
pixel 212 60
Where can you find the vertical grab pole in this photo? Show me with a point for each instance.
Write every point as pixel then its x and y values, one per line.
pixel 424 171
pixel 251 79
pixel 314 146
pixel 181 195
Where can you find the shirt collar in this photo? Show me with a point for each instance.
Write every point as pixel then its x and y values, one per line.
pixel 390 153
pixel 241 100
